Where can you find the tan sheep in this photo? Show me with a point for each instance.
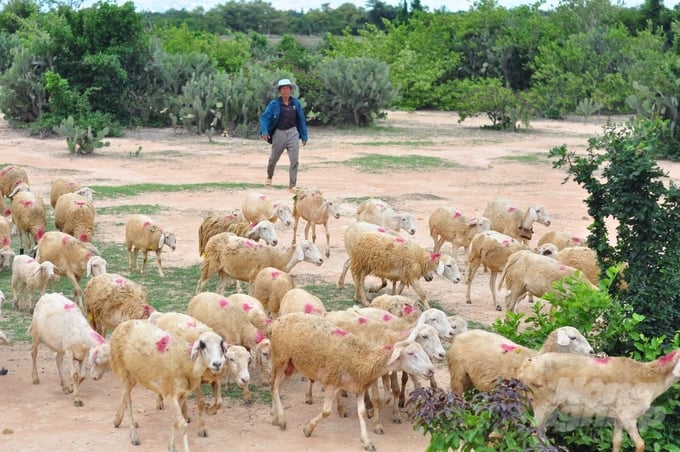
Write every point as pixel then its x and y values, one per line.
pixel 491 250
pixel 6 251
pixel 378 212
pixel 74 214
pixel 450 225
pixel 111 299
pixel 10 177
pixel 511 221
pixel 163 363
pixel 478 358
pixel 398 305
pixel 28 215
pixel 257 207
pixel 528 272
pixel 339 360
pixel 71 257
pixel 29 275
pixel 583 258
pixel 59 324
pixel 143 234
pixel 269 286
pixel 612 387
pixel 314 208
pixel 299 300
pixel 60 186
pixel 241 259
pixel 561 239
pixel 254 309
pixel 235 222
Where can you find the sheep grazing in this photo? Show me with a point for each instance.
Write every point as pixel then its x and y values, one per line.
pixel 478 358
pixel 71 257
pixel 235 222
pixel 29 275
pixel 526 271
pixel 10 177
pixel 257 207
pixel 111 299
pixel 74 214
pixel 315 209
pixel 269 286
pixel 339 360
pixel 59 324
pixel 6 251
pixel 611 387
pixel 28 215
pixel 583 258
pixel 561 239
pixel 450 225
pixel 511 221
pixel 143 234
pixel 395 259
pixel 299 300
pixel 163 363
pixel 491 250
pixel 237 359
pixel 241 259
pixel 378 212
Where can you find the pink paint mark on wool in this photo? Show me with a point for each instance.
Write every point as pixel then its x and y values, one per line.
pixel 512 209
pixel 229 217
pixel 309 308
pixel 120 282
pixel 89 254
pixel 604 360
pixel 665 359
pixel 6 169
pixel 508 348
pixel 84 237
pixel 263 197
pixel 576 239
pixel 381 229
pixel 387 317
pixel 506 242
pixel 147 224
pixel 562 267
pixel 97 337
pixel 407 309
pixel 8 212
pixel 400 240
pixel 249 243
pixel 275 275
pixel 162 343
pixel 148 309
pixel 435 256
pixel 224 302
pixel 30 261
pixel 79 203
pixel 339 332
pixel 191 324
pixel 259 337
pixel 5 241
pixel 26 203
pixel 70 184
pixel 69 306
pixel 65 239
pixel 247 307
pixel 362 320
pixel 39 234
pixel 457 214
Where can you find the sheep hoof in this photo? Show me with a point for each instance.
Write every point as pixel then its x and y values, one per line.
pixel 203 433
pixel 396 420
pixel 369 446
pixel 308 401
pixel 468 301
pixel 307 431
pixel 498 307
pixel 78 403
pixel 379 430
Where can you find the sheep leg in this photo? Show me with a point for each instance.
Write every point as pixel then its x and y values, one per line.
pixel 179 424
pixel 631 427
pixel 361 414
pixel 396 390
pixel 278 376
pixel 375 289
pixel 345 268
pixel 297 220
pixel 217 392
pixel 328 239
pixel 159 262
pixel 492 287
pixel 359 291
pixel 402 389
pixel 135 255
pixel 308 395
pixel 200 407
pixel 331 392
pixel 34 355
pixel 129 257
pixel 75 378
pixel 342 411
pixel 145 256
pixel 377 404
pixel 421 294
pixel 65 385
pixel 472 268
pixel 126 403
pixel 247 398
pixel 307 227
pixel 438 242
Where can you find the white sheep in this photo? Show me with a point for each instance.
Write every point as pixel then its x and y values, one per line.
pixel 254 309
pixel 59 324
pixel 110 299
pixel 71 257
pixel 163 363
pixel 300 300
pixel 526 271
pixel 269 286
pixel 74 214
pixel 29 275
pixel 396 259
pixel 10 177
pixel 314 208
pixel 611 387
pixel 143 234
pixel 450 225
pixel 6 251
pixel 561 239
pixel 378 212
pixel 236 223
pixel 478 358
pixel 28 215
pixel 511 221
pixel 237 359
pixel 257 207
pixel 398 305
pixel 583 258
pixel 241 259
pixel 491 250
pixel 339 360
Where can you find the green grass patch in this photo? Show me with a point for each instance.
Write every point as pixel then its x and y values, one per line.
pixel 528 158
pixel 377 163
pixel 412 144
pixel 121 191
pixel 145 209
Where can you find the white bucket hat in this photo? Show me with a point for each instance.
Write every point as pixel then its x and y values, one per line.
pixel 286 82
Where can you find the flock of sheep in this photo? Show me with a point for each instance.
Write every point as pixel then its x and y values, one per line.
pixel 358 351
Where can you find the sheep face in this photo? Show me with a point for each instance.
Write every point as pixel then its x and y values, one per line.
pixel 169 239
pixel 238 359
pixel 406 222
pixel 212 349
pixel 448 268
pixel 333 208
pixel 98 359
pixel 428 338
pixel 541 215
pixel 266 231
pixel 6 256
pixel 570 340
pixel 96 266
pixel 413 359
pixel 284 213
pixel 438 319
pixel 310 252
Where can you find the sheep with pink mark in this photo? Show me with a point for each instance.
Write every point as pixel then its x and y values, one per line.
pixel 62 185
pixel 6 251
pixel 234 222
pixel 28 276
pixel 398 305
pixel 28 215
pixel 74 214
pixel 10 177
pixel 510 220
pixel 143 234
pixel 254 309
pixel 257 207
pixel 299 300
pixel 269 286
pixel 58 323
pixel 561 239
pixel 378 212
pixel 313 207
pixel 451 225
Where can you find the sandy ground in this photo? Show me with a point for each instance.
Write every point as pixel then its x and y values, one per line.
pixel 488 164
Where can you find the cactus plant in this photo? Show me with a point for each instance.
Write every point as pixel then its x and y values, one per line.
pixel 79 140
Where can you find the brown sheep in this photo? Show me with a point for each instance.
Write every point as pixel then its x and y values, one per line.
pixel 74 214
pixel 143 234
pixel 269 286
pixel 315 209
pixel 234 222
pixel 509 220
pixel 450 225
pixel 28 215
pixel 561 239
pixel 10 177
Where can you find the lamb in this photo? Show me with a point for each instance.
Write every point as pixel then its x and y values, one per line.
pixel 612 387
pixel 339 360
pixel 561 239
pixel 315 209
pixel 478 358
pixel 491 250
pixel 299 300
pixel 450 225
pixel 110 299
pixel 378 212
pixel 29 275
pixel 59 324
pixel 74 214
pixel 269 286
pixel 237 359
pixel 398 305
pixel 28 215
pixel 583 258
pixel 509 220
pixel 396 260
pixel 6 251
pixel 143 234
pixel 235 222
pixel 163 363
pixel 71 257
pixel 241 259
pixel 257 207
pixel 526 271
pixel 10 177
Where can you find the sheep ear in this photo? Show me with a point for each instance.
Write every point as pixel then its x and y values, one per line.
pixel 198 345
pixel 161 241
pixel 441 267
pixel 396 352
pixel 89 267
pixel 225 347
pixel 563 338
pixel 299 252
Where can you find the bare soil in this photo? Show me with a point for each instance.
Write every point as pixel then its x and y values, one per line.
pixel 488 164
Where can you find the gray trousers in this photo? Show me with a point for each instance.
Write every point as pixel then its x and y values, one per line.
pixel 283 140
